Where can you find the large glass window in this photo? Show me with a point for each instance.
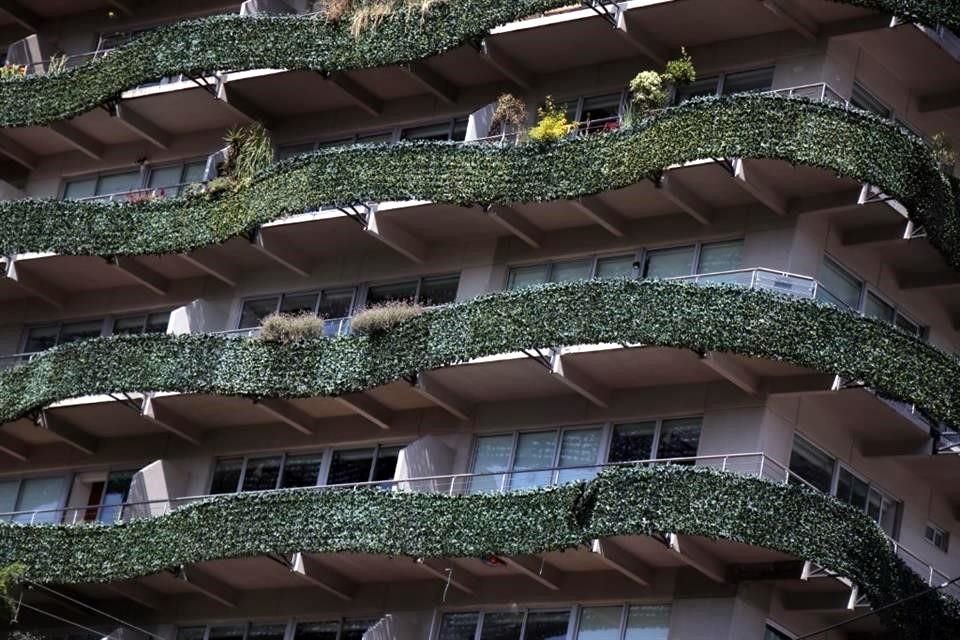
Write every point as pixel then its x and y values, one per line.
pixel 594 114
pixel 163 181
pixel 96 187
pixel 263 473
pixel 348 629
pixel 617 622
pixel 333 305
pixel 116 490
pixel 536 458
pixel 863 99
pixel 172 180
pixel 669 263
pixel 35 497
pixel 44 337
pixel 838 287
pixel 661 439
pixel 455 130
pixel 757 80
pixel 823 471
pixel 430 291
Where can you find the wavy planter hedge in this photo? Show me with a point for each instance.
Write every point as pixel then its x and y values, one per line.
pixel 238 43
pixel 660 313
pixel 850 143
pixel 625 501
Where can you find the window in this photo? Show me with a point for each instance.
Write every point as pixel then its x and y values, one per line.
pixel 455 130
pixel 661 439
pixel 775 634
pixel 291 150
pixel 36 497
pixel 173 180
pixel 47 336
pixel 289 471
pixel 839 287
pixel 614 622
pixel 940 538
pixel 863 99
pixel 331 304
pixel 536 458
pixel 349 629
pixel 112 495
pixel 594 113
pixel 658 263
pixel 755 80
pixel 430 291
pixel 808 462
pixel 163 181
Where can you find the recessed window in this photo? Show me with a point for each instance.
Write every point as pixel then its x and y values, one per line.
pixel 173 180
pixel 618 622
pixel 455 130
pixel 775 634
pixel 331 304
pixel 863 99
pixel 811 464
pixel 528 459
pixel 47 336
pixel 349 629
pixel 754 80
pixel 37 498
pixel 289 471
pixel 160 181
pixel 430 291
pixel 938 537
pixel 292 150
pixel 594 114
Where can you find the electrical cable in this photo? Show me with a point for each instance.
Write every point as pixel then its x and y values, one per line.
pixel 873 612
pixel 77 625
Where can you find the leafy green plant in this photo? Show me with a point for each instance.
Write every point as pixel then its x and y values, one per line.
pixel 289 328
pixel 680 71
pixel 383 317
pixel 240 43
pixel 10 577
pixel 626 501
pixel 57 63
pixel 12 71
pixel 852 144
pixel 509 115
pixel 249 151
pixel 647 92
pixel 553 125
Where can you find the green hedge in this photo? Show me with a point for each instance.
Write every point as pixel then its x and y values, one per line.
pixel 637 501
pixel 713 318
pixel 850 143
pixel 289 42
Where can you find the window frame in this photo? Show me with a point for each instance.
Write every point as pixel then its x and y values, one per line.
pixel 721 78
pixel 290 625
pixel 573 625
pixel 64 497
pixel 839 465
pixel 323 473
pixel 622 106
pixel 639 254
pixel 866 289
pixel 107 326
pixel 943 533
pixel 606 427
pixel 145 170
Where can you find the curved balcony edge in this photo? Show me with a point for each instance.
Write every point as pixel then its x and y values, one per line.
pixel 720 318
pixel 240 43
pixel 850 143
pixel 631 500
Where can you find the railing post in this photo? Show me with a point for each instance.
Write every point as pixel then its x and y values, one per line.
pixel 723 464
pixel 753 279
pixel 762 458
pixel 453 482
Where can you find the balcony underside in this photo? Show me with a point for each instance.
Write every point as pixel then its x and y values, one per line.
pixel 629 528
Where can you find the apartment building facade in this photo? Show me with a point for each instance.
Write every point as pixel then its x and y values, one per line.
pixel 678 375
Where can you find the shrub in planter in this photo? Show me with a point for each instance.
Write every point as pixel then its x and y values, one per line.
pixel 553 124
pixel 647 92
pixel 291 327
pixel 381 317
pixel 681 70
pixel 249 150
pixel 944 150
pixel 508 116
pixel 12 71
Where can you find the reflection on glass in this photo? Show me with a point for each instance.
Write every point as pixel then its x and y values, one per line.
pixel 534 451
pixel 41 494
pixel 299 303
pixel 527 276
pixel 579 448
pixel 632 441
pixel 390 292
pixel 502 626
pixel 547 625
pixel 616 267
pixel 115 493
pixel 493 456
pixel 648 623
pixel 441 290
pixel 227 632
pixel 226 475
pixel 350 466
pixel 316 631
pixel 385 466
pixel 669 263
pixel 459 626
pixel 721 256
pixel 679 439
pixel 852 490
pixel 811 464
pixel 266 632
pixel 838 287
pixel 571 271
pixel 354 629
pixel 301 471
pixel 256 310
pixel 261 474
pixel 599 623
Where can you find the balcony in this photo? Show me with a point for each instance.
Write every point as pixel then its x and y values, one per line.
pixel 729 475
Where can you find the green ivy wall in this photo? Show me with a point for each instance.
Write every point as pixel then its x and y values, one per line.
pixel 851 143
pixel 714 318
pixel 624 501
pixel 238 43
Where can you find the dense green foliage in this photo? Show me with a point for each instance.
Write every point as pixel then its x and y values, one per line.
pixel 238 43
pixel 623 501
pixel 850 143
pixel 715 318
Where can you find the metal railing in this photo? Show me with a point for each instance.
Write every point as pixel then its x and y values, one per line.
pixel 760 278
pixel 751 465
pixel 817 92
pixel 332 327
pixel 140 194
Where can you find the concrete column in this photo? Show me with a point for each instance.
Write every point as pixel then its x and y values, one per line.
pixel 425 457
pixel 157 483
